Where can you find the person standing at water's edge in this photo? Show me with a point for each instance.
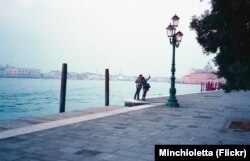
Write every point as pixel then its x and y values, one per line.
pixel 146 87
pixel 138 83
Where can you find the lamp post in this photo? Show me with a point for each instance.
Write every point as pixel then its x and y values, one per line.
pixel 175 39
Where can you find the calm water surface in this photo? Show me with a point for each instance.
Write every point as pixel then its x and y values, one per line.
pixel 34 97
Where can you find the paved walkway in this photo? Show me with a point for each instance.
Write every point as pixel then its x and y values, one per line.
pixel 130 136
pixel 29 121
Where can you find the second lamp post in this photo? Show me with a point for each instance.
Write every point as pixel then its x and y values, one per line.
pixel 175 39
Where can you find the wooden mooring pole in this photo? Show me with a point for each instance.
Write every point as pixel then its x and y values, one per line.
pixel 106 87
pixel 63 88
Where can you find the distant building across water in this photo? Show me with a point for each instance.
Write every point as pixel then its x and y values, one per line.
pixel 196 76
pixel 16 72
pixel 10 71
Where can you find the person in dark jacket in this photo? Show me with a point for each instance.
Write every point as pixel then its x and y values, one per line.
pixel 138 83
pixel 146 87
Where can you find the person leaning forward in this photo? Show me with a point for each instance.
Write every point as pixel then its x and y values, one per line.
pixel 146 87
pixel 138 83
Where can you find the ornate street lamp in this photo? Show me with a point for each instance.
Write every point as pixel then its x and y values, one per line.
pixel 175 39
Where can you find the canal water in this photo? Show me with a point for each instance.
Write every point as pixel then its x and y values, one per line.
pixel 33 97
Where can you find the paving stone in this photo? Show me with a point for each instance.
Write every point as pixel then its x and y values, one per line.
pixel 133 154
pixel 113 157
pixel 102 149
pixel 87 153
pixel 102 156
pixel 10 155
pixel 27 159
pixel 69 150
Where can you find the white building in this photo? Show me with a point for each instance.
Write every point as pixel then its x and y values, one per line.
pixel 22 72
pixel 53 75
pixel 81 76
pixel 72 75
pixel 1 71
pixel 94 76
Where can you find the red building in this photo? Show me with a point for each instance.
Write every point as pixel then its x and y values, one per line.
pixel 196 76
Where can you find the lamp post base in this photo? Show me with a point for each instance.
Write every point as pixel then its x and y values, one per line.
pixel 172 103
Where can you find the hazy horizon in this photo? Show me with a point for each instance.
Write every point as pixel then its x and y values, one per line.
pixel 91 35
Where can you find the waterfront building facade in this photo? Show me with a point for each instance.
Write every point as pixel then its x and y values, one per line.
pixel 55 74
pixel 81 76
pixel 8 71
pixel 1 71
pixel 72 75
pixel 196 76
pixel 21 72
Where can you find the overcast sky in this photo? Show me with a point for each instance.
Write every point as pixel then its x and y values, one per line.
pixel 126 36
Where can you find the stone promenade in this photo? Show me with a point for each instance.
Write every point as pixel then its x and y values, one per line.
pixel 203 118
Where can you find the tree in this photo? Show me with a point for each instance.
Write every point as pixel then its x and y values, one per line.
pixel 225 31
